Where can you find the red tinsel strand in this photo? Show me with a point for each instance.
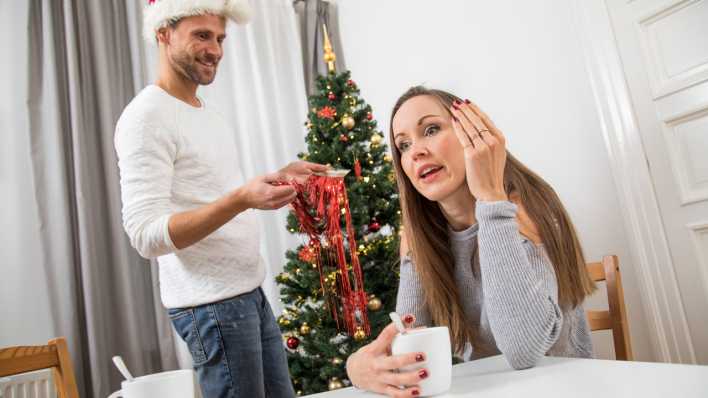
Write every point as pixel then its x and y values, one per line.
pixel 328 196
pixel 360 300
pixel 309 225
pixel 334 235
pixel 357 169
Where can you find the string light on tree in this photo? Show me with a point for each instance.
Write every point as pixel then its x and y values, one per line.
pixel 335 384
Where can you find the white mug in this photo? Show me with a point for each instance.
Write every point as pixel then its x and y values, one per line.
pixel 435 344
pixel 173 384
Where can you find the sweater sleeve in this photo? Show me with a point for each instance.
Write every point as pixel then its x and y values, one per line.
pixel 410 298
pixel 520 288
pixel 146 155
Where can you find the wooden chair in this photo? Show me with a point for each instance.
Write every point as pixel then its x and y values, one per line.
pixel 54 355
pixel 615 318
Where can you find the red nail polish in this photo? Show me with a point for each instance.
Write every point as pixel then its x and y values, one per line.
pixel 415 393
pixel 419 358
pixel 467 101
pixel 423 374
pixel 408 318
pixel 456 106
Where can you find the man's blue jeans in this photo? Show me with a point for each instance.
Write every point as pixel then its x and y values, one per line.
pixel 236 347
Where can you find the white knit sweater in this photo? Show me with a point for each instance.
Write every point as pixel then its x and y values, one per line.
pixel 175 157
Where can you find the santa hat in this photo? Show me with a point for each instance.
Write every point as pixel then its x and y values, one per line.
pixel 160 13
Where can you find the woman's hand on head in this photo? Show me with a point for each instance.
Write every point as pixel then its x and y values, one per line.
pixel 373 368
pixel 484 147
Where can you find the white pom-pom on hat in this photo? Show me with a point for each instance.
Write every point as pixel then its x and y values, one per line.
pixel 160 13
pixel 238 10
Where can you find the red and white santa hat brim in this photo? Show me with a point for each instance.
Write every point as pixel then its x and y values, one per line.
pixel 160 13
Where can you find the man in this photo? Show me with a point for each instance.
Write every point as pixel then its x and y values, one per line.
pixel 184 202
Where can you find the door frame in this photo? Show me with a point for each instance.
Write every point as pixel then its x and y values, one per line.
pixel 668 327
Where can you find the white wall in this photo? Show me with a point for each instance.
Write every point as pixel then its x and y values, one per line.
pixel 522 63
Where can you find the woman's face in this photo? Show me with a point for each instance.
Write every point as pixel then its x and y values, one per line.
pixel 431 154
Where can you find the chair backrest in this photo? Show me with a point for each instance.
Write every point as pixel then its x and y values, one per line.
pixel 54 356
pixel 615 318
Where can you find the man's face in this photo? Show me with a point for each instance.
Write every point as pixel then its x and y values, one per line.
pixel 194 47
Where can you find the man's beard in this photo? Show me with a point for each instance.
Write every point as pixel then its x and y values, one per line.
pixel 186 65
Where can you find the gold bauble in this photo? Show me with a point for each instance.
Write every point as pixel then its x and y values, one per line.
pixel 348 122
pixel 387 157
pixel 337 361
pixel 305 329
pixel 359 335
pixel 375 304
pixel 376 139
pixel 335 384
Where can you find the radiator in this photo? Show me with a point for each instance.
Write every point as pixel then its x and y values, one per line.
pixel 37 384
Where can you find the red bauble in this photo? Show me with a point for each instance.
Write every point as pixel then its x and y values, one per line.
pixel 351 83
pixel 343 138
pixel 331 96
pixel 369 116
pixel 293 343
pixel 374 226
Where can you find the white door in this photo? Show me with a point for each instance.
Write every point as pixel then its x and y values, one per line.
pixel 663 46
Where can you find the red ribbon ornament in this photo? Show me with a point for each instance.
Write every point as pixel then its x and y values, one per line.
pixel 319 206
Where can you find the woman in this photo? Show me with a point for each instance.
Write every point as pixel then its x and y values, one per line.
pixel 488 249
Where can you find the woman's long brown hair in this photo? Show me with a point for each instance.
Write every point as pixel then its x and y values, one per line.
pixel 427 237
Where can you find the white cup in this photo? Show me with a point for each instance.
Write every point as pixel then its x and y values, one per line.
pixel 435 344
pixel 173 384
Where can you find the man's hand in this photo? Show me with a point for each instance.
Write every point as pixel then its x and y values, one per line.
pixel 301 170
pixel 263 192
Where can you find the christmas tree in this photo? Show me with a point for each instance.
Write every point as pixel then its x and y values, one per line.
pixel 343 133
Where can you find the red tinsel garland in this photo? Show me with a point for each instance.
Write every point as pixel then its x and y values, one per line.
pixel 320 203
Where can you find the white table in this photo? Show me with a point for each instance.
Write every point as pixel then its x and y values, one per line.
pixel 567 377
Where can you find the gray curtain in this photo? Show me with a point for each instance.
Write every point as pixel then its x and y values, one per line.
pixel 311 15
pixel 81 61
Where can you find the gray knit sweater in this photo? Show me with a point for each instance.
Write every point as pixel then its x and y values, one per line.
pixel 513 301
